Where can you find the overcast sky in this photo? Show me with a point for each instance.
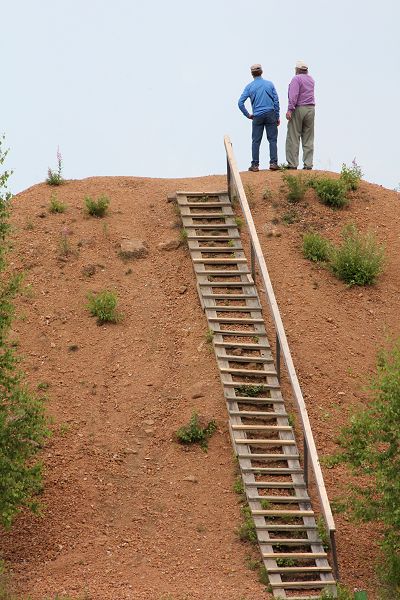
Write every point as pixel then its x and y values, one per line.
pixel 150 88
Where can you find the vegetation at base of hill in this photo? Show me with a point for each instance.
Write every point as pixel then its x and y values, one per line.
pixel 55 177
pixel 351 176
pixel 56 205
pixel 370 446
pixel 104 306
pixel 359 260
pixel 97 208
pixel 247 529
pixel 331 192
pixel 316 247
pixel 195 433
pixel 297 186
pixel 343 593
pixel 22 420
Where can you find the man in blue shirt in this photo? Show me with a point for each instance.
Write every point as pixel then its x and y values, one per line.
pixel 265 104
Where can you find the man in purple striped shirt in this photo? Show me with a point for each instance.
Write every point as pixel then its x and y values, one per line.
pixel 300 116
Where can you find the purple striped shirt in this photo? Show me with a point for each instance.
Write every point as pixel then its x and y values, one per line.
pixel 301 91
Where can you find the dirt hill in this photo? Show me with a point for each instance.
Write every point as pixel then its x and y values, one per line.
pixel 128 513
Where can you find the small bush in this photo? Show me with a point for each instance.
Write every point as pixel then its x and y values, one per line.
pixel 247 530
pixel 316 247
pixel 351 176
pixel 251 391
pixel 55 177
pixel 290 217
pixel 195 433
pixel 56 205
pixel 296 187
pixel 331 192
pixel 97 208
pixel 239 222
pixel 359 260
pixel 267 193
pixel 103 306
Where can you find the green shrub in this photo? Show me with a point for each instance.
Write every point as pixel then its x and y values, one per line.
pixel 371 448
pixel 247 530
pixel 296 187
pixel 351 176
pixel 56 206
pixel 331 192
pixel 103 306
pixel 23 426
pixel 195 433
pixel 290 217
pixel 97 208
pixel 316 247
pixel 359 260
pixel 251 391
pixel 55 177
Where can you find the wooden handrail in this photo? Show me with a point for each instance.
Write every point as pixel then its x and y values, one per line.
pixel 234 179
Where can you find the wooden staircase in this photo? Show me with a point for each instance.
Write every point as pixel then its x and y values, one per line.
pixel 261 430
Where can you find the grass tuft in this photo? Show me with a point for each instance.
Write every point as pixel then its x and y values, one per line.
pixel 97 208
pixel 316 247
pixel 104 306
pixel 195 433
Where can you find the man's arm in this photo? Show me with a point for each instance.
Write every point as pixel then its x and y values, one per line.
pixel 245 95
pixel 276 101
pixel 294 90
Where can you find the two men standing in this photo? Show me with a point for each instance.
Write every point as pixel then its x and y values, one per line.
pixel 300 116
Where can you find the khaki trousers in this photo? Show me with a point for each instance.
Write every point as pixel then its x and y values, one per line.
pixel 300 127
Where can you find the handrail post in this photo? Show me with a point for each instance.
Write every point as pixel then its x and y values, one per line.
pixel 253 261
pixel 305 451
pixel 334 555
pixel 228 177
pixel 278 357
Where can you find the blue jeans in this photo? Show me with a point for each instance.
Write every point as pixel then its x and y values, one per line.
pixel 269 121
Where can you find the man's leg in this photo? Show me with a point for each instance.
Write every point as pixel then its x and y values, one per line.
pixel 294 130
pixel 271 128
pixel 307 137
pixel 257 132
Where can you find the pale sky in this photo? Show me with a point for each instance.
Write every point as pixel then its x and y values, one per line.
pixel 150 88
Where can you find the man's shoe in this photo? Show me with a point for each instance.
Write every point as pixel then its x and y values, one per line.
pixel 307 168
pixel 291 168
pixel 254 168
pixel 273 167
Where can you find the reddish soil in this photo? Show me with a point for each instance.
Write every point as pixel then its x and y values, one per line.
pixel 128 513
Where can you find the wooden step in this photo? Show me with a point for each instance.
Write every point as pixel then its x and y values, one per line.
pixel 205 204
pixel 299 569
pixel 257 401
pixel 236 320
pixel 230 296
pixel 263 456
pixel 213 226
pixel 237 284
pixel 240 384
pixel 282 513
pixel 275 485
pixel 285 527
pixel 303 585
pixel 217 249
pixel 244 345
pixel 262 428
pixel 220 261
pixel 208 215
pixel 257 413
pixel 297 555
pixel 273 470
pixel 249 372
pixel 263 442
pixel 292 542
pixel 228 309
pixel 246 358
pixel 212 238
pixel 224 274
pixel 281 499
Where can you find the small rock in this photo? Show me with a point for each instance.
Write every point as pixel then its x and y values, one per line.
pixel 169 245
pixel 341 393
pixel 42 215
pixel 88 270
pixel 149 431
pixel 182 289
pixel 148 422
pixel 131 249
pixel 191 478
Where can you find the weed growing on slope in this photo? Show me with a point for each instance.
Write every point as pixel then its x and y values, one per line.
pixel 359 260
pixel 351 176
pixel 247 529
pixel 195 433
pixel 267 193
pixel 290 217
pixel 56 205
pixel 239 222
pixel 183 236
pixel 249 390
pixel 297 186
pixel 55 177
pixel 316 247
pixel 331 192
pixel 97 208
pixel 104 306
pixel 249 191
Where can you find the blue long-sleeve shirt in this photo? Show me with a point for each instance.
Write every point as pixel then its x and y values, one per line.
pixel 263 97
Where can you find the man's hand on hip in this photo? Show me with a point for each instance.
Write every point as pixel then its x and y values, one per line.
pixel 278 122
pixel 250 117
pixel 289 115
